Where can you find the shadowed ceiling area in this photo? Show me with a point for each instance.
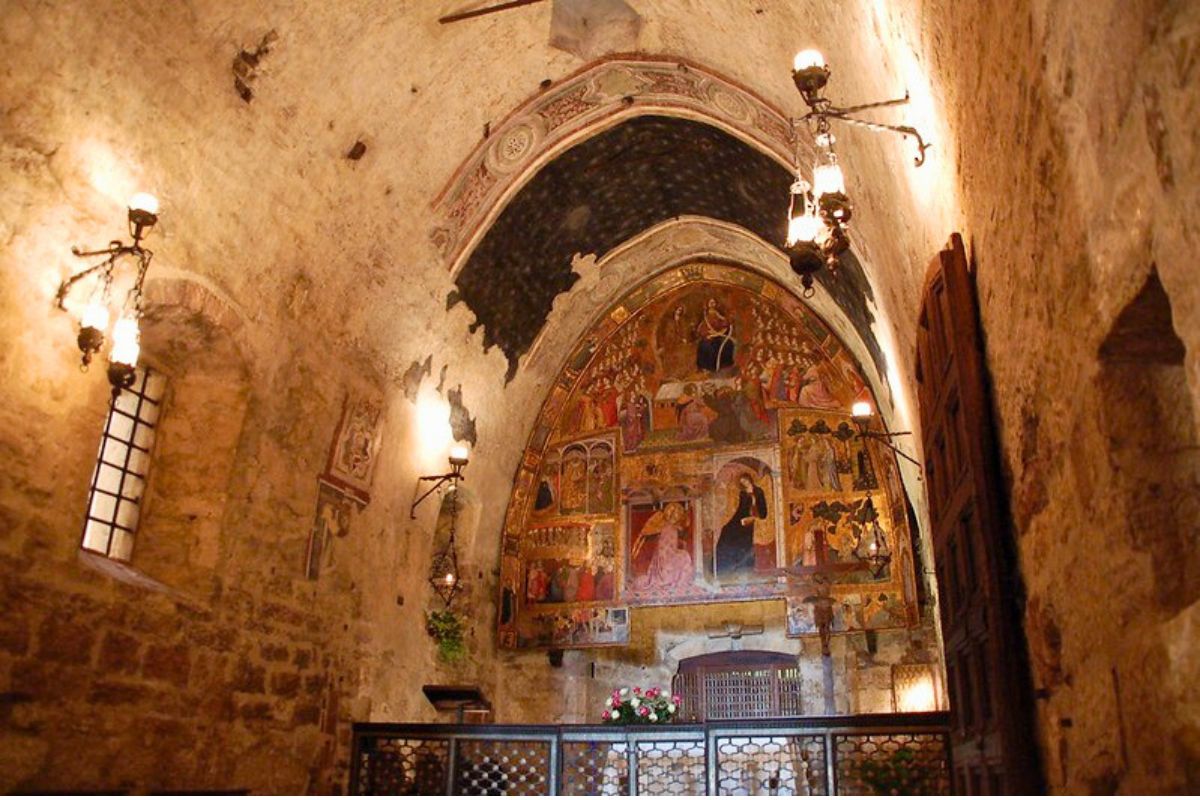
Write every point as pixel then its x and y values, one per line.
pixel 608 189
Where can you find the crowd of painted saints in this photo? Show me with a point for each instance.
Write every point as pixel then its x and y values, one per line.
pixel 707 437
pixel 710 376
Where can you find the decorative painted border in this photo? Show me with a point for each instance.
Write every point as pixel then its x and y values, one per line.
pixel 598 96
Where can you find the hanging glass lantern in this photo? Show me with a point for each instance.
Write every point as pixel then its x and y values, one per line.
pixel 443 569
pixel 872 547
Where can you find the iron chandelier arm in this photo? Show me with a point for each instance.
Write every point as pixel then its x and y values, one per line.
pixel 438 482
pixel 903 130
pixel 64 288
pixel 823 111
pixel 115 250
pixel 885 440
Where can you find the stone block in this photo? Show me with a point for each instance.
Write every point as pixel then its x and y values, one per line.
pixel 285 684
pixel 14 635
pixel 306 714
pixel 591 28
pixel 274 652
pixel 119 652
pixel 170 663
pixel 249 678
pixel 61 639
pixel 303 658
pixel 256 710
pixel 116 693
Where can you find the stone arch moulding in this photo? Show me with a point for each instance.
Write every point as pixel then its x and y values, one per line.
pixel 193 294
pixel 593 99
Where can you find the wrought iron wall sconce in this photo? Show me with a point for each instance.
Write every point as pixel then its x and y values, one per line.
pixel 93 322
pixel 459 456
pixel 862 415
pixel 819 212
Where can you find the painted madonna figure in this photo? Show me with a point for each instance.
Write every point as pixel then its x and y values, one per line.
pixel 735 547
pixel 715 349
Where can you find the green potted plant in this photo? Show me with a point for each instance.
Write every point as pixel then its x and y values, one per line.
pixel 446 628
pixel 899 772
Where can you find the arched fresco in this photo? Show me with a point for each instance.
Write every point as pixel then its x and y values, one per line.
pixel 696 445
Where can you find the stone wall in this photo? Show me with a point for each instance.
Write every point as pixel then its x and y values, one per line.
pixel 208 662
pixel 1090 130
pixel 532 691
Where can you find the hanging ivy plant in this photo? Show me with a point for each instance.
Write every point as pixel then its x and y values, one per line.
pixel 446 628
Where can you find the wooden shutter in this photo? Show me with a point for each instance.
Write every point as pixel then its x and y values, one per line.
pixel 987 668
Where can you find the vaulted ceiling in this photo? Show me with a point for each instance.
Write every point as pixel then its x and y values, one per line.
pixel 607 190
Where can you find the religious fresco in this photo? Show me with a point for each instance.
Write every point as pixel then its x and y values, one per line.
pixel 850 612
pixel 332 522
pixel 697 448
pixel 355 448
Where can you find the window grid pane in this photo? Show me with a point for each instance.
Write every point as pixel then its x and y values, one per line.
pixel 118 482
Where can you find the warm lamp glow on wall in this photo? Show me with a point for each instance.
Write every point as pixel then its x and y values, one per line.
pixel 434 434
pixel 93 321
pixel 915 688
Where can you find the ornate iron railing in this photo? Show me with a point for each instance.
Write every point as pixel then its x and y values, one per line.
pixel 873 754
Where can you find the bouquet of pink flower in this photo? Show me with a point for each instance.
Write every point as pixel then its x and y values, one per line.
pixel 636 707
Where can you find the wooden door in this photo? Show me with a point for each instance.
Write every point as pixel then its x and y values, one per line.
pixel 987 668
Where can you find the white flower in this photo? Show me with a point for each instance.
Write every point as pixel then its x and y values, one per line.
pixel 653 717
pixel 608 702
pixel 624 692
pixel 635 702
pixel 671 708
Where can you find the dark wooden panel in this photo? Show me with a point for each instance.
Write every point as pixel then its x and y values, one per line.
pixel 987 669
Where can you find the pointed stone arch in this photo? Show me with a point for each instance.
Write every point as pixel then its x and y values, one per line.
pixel 593 99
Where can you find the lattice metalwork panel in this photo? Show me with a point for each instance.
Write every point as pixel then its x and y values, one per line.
pixel 595 768
pixel 896 763
pixel 771 765
pixel 739 695
pixel 671 767
pixel 791 694
pixel 403 766
pixel 496 767
pixel 689 687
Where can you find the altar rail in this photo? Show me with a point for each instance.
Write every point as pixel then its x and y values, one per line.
pixel 872 754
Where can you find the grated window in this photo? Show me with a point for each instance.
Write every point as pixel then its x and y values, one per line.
pixel 119 480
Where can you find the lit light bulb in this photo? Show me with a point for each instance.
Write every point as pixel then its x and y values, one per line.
pixel 459 455
pixel 861 409
pixel 95 316
pixel 449 578
pixel 125 336
pixel 873 547
pixel 828 178
pixel 143 201
pixel 807 59
pixel 803 228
